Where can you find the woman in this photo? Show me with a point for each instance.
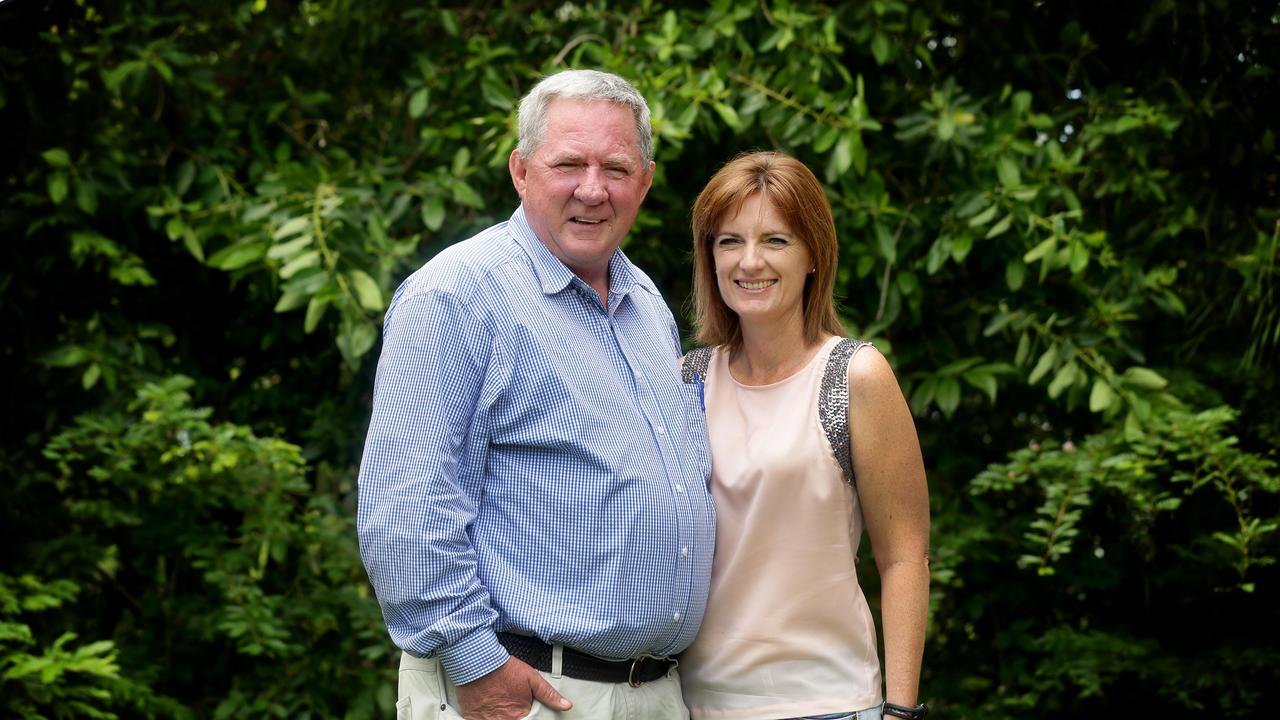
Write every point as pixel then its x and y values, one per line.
pixel 810 441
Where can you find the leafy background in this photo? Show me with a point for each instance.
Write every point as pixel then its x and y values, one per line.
pixel 1059 220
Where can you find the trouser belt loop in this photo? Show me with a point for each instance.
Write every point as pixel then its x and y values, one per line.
pixel 557 661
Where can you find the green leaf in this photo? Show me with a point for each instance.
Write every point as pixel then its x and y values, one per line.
pixel 948 395
pixel 880 48
pixel 288 249
pixel 1024 349
pixel 461 161
pixel 922 396
pixel 254 213
pixel 433 212
pixel 308 259
pixel 464 195
pixel 985 216
pixel 859 153
pixel 1144 378
pixel 996 324
pixel 174 227
pixel 315 311
pixel 1101 397
pixel 843 156
pixel 186 176
pixel 1079 257
pixel 1008 172
pixel 1065 376
pixel 292 226
pixel 57 186
pixel 885 243
pixel 66 356
pixel 1069 197
pixel 307 282
pixel 193 245
pixel 946 127
pixel 1000 227
pixel 367 291
pixel 1133 427
pixel 825 140
pixel 1015 273
pixel 1041 250
pixel 87 196
pixel 354 340
pixel 984 381
pixel 234 257
pixel 938 254
pixel 728 115
pixel 1044 365
pixel 418 103
pixel 290 301
pixel 116 76
pixel 90 376
pixel 57 157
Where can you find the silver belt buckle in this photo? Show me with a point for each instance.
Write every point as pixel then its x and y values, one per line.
pixel 631 673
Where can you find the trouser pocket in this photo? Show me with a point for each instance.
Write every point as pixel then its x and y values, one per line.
pixel 421 691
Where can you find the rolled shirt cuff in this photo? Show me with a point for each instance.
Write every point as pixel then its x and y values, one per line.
pixel 473 657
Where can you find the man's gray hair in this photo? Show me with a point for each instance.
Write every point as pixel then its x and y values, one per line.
pixel 581 85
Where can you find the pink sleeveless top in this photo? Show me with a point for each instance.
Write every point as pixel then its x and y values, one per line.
pixel 787 630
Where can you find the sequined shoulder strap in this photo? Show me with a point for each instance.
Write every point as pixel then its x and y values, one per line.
pixel 833 402
pixel 695 363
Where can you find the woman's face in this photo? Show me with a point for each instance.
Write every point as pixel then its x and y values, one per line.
pixel 761 264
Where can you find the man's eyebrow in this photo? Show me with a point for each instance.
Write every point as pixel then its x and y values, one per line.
pixel 564 156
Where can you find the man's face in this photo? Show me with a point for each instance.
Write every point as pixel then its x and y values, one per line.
pixel 583 185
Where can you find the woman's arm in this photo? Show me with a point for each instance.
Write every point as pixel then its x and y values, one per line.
pixel 895 507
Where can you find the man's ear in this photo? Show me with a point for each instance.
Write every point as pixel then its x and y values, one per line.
pixel 519 172
pixel 648 181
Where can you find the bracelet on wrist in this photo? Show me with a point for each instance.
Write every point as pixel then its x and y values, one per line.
pixel 910 712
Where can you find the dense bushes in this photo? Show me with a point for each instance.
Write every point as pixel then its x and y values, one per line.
pixel 1059 221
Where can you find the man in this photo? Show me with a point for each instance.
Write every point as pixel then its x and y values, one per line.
pixel 534 512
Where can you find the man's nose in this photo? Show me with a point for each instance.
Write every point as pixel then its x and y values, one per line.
pixel 592 190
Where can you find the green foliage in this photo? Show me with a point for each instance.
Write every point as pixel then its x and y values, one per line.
pixel 58 680
pixel 227 577
pixel 1061 223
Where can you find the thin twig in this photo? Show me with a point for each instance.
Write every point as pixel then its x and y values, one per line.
pixel 884 281
pixel 564 51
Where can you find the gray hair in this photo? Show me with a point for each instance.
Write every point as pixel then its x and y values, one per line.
pixel 581 85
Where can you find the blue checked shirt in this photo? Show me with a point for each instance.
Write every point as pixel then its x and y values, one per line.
pixel 534 463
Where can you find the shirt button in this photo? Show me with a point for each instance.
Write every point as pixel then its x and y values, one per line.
pixel 676 617
pixel 679 488
pixel 662 431
pixel 684 552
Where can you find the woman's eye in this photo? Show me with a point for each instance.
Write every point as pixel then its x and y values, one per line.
pixel 726 241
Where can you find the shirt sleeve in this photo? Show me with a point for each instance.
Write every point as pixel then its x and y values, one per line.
pixel 413 515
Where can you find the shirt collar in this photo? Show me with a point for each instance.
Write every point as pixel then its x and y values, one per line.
pixel 553 275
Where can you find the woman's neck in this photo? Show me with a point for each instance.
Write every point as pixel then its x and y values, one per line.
pixel 772 353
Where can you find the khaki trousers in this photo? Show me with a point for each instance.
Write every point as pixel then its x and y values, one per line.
pixel 426 693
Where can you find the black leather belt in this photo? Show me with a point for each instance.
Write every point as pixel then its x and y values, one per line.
pixel 581 666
